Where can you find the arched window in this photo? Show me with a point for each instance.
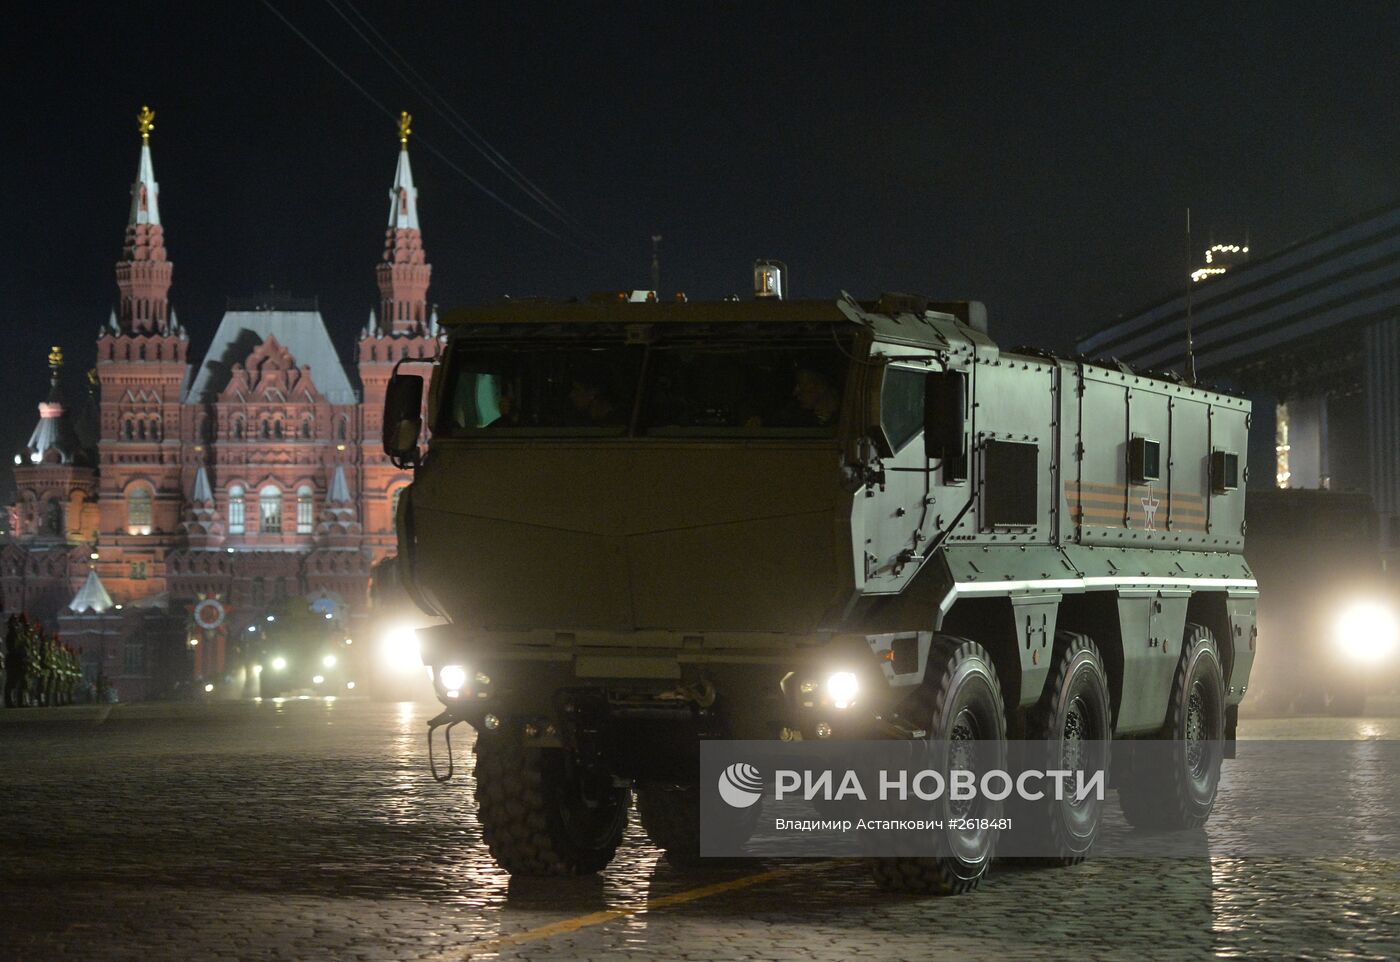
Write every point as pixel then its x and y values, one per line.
pixel 138 510
pixel 53 518
pixel 270 509
pixel 266 429
pixel 128 429
pixel 306 428
pixel 235 507
pixel 304 506
pixel 238 429
pixel 141 430
pixel 277 429
pixel 340 429
pixel 394 504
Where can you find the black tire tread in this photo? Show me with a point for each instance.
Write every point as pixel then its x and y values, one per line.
pixel 934 876
pixel 1158 798
pixel 513 807
pixel 1041 721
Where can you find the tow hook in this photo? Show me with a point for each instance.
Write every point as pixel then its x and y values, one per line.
pixel 446 720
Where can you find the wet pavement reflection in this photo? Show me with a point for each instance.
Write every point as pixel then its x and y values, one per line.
pixel 311 829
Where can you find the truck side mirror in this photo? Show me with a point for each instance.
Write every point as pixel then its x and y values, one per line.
pixel 403 417
pixel 945 411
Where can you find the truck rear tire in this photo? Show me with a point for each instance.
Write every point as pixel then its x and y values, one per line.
pixel 1073 721
pixel 960 700
pixel 1182 794
pixel 670 815
pixel 541 815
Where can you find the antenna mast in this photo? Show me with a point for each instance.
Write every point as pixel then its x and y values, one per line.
pixel 1190 282
pixel 656 265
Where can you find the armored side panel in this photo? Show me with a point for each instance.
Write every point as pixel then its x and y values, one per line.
pixel 1157 464
pixel 1014 438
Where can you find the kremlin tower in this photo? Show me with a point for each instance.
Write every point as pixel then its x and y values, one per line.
pixel 142 363
pixel 405 328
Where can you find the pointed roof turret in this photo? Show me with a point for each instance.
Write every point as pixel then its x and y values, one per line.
pixel 53 437
pixel 338 527
pixel 403 196
pixel 91 597
pixel 145 206
pixel 202 492
pixel 340 490
pixel 202 524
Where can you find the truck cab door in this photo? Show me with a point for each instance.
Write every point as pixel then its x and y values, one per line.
pixel 893 517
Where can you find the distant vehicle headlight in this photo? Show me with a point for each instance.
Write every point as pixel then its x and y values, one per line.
pixel 841 688
pixel 453 677
pixel 328 661
pixel 279 663
pixel 1368 632
pixel 401 649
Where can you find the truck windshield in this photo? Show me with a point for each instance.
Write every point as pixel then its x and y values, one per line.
pixel 683 383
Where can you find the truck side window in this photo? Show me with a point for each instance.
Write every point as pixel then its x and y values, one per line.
pixel 902 405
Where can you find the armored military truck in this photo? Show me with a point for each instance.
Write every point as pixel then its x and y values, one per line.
pixel 654 523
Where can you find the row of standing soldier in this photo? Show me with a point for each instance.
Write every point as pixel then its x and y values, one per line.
pixel 40 670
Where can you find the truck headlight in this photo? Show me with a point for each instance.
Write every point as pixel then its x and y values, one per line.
pixel 401 649
pixel 841 688
pixel 453 677
pixel 1368 632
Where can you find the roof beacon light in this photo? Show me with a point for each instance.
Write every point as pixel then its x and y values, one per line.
pixel 769 279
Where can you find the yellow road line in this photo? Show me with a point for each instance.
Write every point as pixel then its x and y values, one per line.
pixel 566 926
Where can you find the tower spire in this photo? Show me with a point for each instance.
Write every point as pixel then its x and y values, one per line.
pixel 143 273
pixel 144 206
pixel 53 437
pixel 404 273
pixel 403 196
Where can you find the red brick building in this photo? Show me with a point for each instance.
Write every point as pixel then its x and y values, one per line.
pixel 251 476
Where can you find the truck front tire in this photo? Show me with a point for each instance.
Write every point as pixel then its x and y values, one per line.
pixel 959 701
pixel 1181 794
pixel 540 814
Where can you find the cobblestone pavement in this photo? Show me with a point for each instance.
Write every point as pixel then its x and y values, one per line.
pixel 311 830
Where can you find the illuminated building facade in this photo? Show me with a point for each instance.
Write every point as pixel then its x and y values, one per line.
pixel 252 477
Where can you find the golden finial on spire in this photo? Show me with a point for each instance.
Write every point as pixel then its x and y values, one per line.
pixel 55 357
pixel 146 122
pixel 405 118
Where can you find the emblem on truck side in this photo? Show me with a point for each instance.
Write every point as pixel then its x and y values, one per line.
pixel 1149 509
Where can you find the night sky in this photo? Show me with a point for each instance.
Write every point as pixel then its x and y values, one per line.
pixel 1039 160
